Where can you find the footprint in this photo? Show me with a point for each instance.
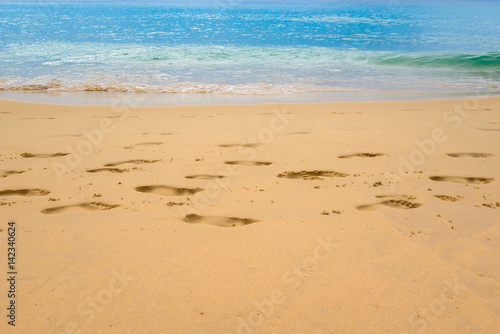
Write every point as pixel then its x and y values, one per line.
pixel 112 170
pixel 457 179
pixel 121 117
pixel 25 118
pixel 446 198
pixel 159 134
pixel 361 155
pixel 401 204
pixel 31 155
pixel 393 203
pixel 153 143
pixel 367 207
pixel 403 197
pixel 274 114
pixel 6 173
pixel 91 206
pixel 471 155
pixel 248 163
pixel 67 136
pixel 299 133
pixel 311 175
pixel 250 145
pixel 218 221
pixel 347 113
pixel 24 192
pixel 205 177
pixel 167 191
pixel 137 162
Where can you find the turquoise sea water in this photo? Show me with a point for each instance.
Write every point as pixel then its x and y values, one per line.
pixel 250 47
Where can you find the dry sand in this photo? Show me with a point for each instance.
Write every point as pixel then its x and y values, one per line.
pixel 305 218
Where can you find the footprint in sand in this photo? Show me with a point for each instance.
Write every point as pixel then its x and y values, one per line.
pixel 470 155
pixel 248 163
pixel 393 203
pixel 65 136
pixel 31 155
pixel 347 113
pixel 167 190
pixel 24 192
pixel 299 133
pixel 205 177
pixel 361 155
pixel 5 173
pixel 273 114
pixel 153 143
pixel 121 117
pixel 311 175
pixel 26 118
pixel 458 179
pixel 249 145
pixel 446 198
pixel 403 197
pixel 157 134
pixel 136 162
pixel 111 170
pixel 218 221
pixel 91 206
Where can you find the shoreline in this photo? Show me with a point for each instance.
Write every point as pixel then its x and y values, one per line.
pixel 193 99
pixel 250 106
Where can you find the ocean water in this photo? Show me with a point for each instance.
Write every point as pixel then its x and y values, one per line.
pixel 250 47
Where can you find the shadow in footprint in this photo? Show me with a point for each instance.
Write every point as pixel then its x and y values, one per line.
pixel 157 134
pixel 31 155
pixel 218 221
pixel 65 136
pixel 311 175
pixel 167 190
pixel 446 198
pixel 393 203
pixel 248 163
pixel 403 197
pixel 111 170
pixel 459 179
pixel 361 155
pixel 6 173
pixel 470 155
pixel 205 177
pixel 143 144
pixel 24 192
pixel 401 204
pixel 136 162
pixel 274 114
pixel 91 206
pixel 249 145
pixel 299 133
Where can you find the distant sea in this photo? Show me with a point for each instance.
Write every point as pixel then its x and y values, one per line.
pixel 250 47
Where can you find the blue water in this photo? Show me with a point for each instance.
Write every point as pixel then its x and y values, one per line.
pixel 250 47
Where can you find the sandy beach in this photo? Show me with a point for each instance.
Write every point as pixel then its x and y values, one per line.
pixel 369 217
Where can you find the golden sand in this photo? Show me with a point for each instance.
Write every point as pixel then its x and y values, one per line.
pixel 376 217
